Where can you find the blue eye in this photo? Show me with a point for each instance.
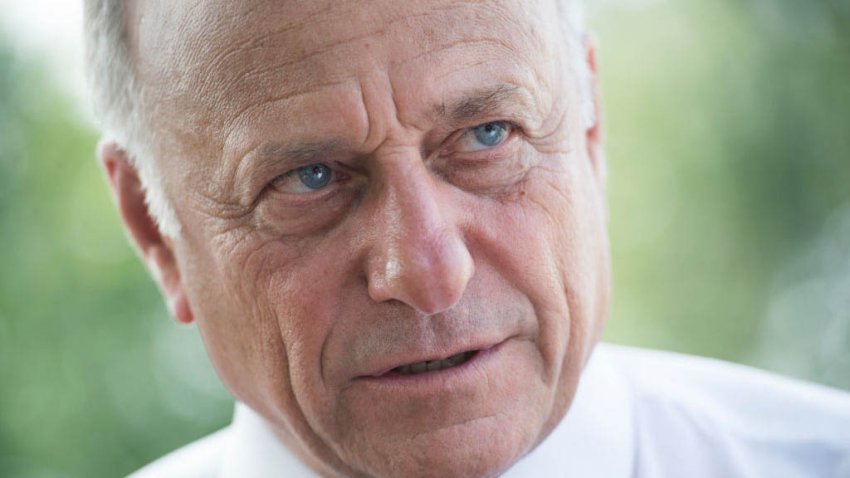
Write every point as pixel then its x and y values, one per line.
pixel 315 176
pixel 485 136
pixel 491 134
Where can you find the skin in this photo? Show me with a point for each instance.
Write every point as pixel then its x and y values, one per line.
pixel 418 249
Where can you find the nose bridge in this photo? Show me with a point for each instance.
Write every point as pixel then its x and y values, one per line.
pixel 419 256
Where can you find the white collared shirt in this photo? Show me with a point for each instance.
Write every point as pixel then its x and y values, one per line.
pixel 637 414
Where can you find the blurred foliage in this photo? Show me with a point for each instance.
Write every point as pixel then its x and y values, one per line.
pixel 729 151
pixel 95 379
pixel 729 155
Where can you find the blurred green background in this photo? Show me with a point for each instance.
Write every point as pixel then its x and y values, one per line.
pixel 729 153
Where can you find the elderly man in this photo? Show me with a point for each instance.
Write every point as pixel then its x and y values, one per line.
pixel 387 219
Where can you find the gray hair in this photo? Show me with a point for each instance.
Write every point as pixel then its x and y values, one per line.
pixel 119 106
pixel 117 100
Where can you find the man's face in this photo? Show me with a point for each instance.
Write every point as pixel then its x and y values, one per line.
pixel 367 189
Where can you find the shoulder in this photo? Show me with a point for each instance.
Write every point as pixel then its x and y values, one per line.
pixel 199 459
pixel 730 419
pixel 708 384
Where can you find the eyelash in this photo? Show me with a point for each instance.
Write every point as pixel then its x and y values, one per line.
pixel 294 174
pixel 482 154
pixel 504 128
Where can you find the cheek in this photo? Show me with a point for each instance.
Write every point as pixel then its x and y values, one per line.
pixel 584 262
pixel 261 328
pixel 238 332
pixel 307 297
pixel 514 240
pixel 545 239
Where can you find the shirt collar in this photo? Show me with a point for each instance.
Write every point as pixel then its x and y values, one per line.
pixel 254 451
pixel 596 438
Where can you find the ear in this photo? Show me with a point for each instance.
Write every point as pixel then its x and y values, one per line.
pixel 156 250
pixel 594 131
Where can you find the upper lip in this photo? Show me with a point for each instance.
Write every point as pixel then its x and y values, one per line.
pixel 387 363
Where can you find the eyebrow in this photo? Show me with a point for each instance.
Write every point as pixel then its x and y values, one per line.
pixel 302 153
pixel 482 102
pixel 275 156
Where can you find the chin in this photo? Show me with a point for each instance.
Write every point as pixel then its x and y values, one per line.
pixel 480 448
pixel 472 420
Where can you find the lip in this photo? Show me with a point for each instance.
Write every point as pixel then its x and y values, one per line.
pixel 482 353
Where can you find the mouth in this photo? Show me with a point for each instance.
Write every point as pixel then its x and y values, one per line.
pixel 427 366
pixel 438 371
pixel 435 366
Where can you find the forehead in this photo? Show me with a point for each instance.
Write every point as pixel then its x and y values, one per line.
pixel 231 55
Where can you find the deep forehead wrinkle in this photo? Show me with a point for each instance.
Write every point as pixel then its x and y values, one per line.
pixel 343 13
pixel 479 104
pixel 305 50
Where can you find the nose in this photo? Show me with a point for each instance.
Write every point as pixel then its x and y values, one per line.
pixel 419 256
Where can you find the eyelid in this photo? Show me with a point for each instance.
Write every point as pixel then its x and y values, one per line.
pixel 336 177
pixel 512 130
pixel 292 175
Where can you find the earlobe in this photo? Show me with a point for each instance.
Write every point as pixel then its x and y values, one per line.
pixel 163 266
pixel 155 249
